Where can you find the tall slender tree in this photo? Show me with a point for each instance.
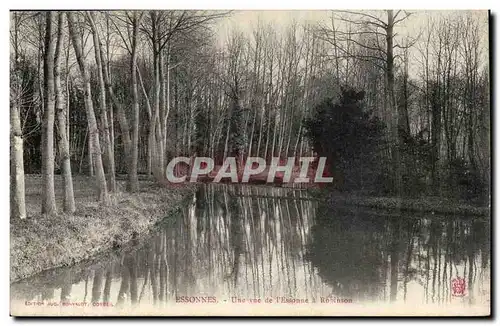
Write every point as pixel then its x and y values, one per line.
pixel 17 191
pixel 61 108
pixel 48 194
pixel 91 119
pixel 102 103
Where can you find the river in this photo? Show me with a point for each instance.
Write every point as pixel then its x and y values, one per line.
pixel 233 244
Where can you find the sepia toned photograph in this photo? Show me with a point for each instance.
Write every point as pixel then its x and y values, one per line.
pixel 250 163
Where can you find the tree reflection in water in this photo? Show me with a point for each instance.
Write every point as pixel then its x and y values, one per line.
pixel 251 242
pixel 369 257
pixel 347 248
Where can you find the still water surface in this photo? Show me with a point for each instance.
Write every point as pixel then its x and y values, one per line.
pixel 231 243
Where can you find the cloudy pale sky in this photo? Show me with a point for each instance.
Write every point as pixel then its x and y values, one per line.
pixel 246 21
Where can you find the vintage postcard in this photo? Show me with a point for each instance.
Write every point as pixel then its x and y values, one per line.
pixel 250 163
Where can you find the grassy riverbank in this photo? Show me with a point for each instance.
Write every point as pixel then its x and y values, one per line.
pixel 425 204
pixel 433 205
pixel 43 242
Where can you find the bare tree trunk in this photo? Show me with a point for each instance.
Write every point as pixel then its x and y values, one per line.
pixel 133 184
pixel 250 143
pixel 167 103
pixel 122 117
pixel 305 96
pixel 106 70
pixel 149 111
pixel 149 162
pixel 17 191
pixel 48 195
pixel 92 123
pixel 155 128
pixel 69 198
pixel 163 103
pixel 91 159
pixel 83 150
pixel 67 89
pixel 226 143
pixel 392 103
pixel 263 102
pixel 102 104
pixel 17 194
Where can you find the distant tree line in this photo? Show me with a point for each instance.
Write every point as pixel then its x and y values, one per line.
pixel 106 93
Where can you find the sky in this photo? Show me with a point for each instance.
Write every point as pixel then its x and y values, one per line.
pixel 246 21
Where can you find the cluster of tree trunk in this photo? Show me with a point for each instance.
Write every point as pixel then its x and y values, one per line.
pixel 50 103
pixel 125 91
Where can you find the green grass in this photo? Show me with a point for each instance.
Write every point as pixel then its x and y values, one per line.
pixel 40 242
